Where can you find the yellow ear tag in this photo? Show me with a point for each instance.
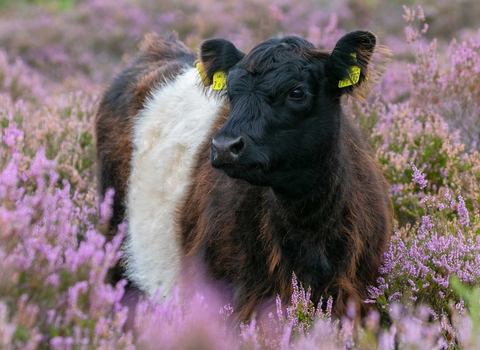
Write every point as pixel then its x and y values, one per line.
pixel 219 78
pixel 354 75
pixel 202 74
pixel 220 81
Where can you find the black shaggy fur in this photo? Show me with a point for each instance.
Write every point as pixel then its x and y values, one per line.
pixel 296 189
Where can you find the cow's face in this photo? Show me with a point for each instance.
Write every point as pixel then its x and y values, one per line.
pixel 284 106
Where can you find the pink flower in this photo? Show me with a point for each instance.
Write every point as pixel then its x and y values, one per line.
pixel 418 177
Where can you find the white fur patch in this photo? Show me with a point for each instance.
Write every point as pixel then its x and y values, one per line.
pixel 166 136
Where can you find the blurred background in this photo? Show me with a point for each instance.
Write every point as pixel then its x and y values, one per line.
pixel 80 44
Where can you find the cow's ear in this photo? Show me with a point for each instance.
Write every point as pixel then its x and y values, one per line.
pixel 217 56
pixel 348 62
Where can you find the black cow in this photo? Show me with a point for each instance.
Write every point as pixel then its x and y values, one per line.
pixel 246 165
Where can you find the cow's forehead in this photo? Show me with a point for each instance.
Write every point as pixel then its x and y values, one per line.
pixel 279 78
pixel 277 55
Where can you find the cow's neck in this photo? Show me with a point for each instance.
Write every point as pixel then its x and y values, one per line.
pixel 312 199
pixel 303 227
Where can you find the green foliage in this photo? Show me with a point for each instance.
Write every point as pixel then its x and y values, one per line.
pixel 471 296
pixel 55 5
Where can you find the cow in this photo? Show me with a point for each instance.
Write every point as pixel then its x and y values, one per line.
pixel 244 164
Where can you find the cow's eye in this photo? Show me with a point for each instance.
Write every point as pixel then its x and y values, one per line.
pixel 297 94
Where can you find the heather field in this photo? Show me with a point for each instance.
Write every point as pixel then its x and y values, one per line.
pixel 422 119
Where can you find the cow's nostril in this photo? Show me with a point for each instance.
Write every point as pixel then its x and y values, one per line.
pixel 236 146
pixel 225 150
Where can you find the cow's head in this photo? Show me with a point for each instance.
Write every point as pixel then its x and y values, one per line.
pixel 284 104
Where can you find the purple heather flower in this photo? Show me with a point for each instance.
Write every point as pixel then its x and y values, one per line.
pixel 463 212
pixel 418 177
pixel 106 205
pixel 426 223
pixel 447 196
pixel 12 136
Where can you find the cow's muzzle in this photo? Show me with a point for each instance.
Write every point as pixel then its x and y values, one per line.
pixel 226 149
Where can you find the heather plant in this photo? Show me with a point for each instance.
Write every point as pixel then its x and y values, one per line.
pixel 54 258
pixel 196 323
pixel 426 254
pixel 418 125
pixel 18 81
pixel 452 92
pixel 299 325
pixel 54 261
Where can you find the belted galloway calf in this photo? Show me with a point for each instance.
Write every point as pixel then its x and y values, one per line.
pixel 246 165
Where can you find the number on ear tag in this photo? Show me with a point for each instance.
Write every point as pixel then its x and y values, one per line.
pixel 220 81
pixel 219 78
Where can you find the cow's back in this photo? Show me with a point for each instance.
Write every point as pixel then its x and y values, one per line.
pixel 158 63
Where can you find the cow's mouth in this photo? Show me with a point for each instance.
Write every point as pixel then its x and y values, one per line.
pixel 240 167
pixel 253 173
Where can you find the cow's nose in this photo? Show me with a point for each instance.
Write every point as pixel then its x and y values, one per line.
pixel 226 149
